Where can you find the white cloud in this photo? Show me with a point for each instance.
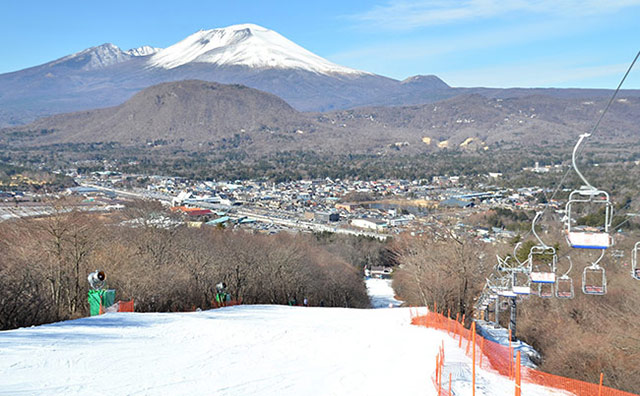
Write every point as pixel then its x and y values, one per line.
pixel 408 15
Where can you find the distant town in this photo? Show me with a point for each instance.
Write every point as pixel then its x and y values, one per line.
pixel 377 209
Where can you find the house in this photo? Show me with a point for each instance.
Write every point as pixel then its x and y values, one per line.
pixel 326 216
pixel 456 203
pixel 218 221
pixel 372 224
pixel 378 272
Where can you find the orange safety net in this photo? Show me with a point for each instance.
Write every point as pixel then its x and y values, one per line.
pixel 125 306
pixel 230 303
pixel 501 358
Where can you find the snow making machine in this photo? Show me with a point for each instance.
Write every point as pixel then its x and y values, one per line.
pixel 99 298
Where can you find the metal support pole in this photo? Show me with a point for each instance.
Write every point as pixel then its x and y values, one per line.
pixel 512 320
pixel 497 311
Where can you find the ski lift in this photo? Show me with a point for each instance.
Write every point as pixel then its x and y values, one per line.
pixel 503 264
pixel 564 284
pixel 506 289
pixel 520 280
pixel 546 290
pixel 594 279
pixel 581 236
pixel 541 272
pixel 635 270
pixel 507 293
pixel 497 287
pixel 521 283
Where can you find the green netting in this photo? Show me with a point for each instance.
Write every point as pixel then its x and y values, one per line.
pixel 95 298
pixel 106 298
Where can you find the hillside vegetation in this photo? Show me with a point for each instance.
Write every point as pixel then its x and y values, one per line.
pixel 44 265
pixel 577 338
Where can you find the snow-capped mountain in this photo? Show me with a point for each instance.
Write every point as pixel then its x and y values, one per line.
pixel 245 54
pixel 97 57
pixel 244 45
pixel 102 56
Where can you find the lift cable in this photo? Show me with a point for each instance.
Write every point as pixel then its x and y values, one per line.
pixel 595 127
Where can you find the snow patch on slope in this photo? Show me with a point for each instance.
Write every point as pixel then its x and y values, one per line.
pixel 103 56
pixel 97 57
pixel 244 45
pixel 145 50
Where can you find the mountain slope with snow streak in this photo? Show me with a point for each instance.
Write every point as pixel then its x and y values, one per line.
pixel 244 45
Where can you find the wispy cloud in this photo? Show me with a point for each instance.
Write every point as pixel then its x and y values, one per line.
pixel 408 15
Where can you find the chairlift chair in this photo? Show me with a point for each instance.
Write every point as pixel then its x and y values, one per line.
pixel 546 290
pixel 564 287
pixel 503 289
pixel 587 237
pixel 541 272
pixel 594 279
pixel 507 293
pixel 564 284
pixel 635 270
pixel 521 283
pixel 584 237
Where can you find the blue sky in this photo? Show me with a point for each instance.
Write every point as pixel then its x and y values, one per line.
pixel 497 43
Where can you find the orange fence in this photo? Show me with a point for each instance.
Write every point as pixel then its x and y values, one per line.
pixel 230 303
pixel 493 356
pixel 125 306
pixel 120 306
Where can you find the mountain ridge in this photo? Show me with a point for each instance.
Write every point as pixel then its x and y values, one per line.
pixel 200 115
pixel 106 75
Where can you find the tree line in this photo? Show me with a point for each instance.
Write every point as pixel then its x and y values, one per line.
pixel 577 338
pixel 44 265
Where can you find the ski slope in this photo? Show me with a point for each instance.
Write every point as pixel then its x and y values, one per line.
pixel 241 350
pixel 381 293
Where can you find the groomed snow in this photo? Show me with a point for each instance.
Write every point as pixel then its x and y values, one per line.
pixel 242 350
pixel 381 293
pixel 244 45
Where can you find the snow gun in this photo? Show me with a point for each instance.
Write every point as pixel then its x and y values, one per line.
pixel 97 279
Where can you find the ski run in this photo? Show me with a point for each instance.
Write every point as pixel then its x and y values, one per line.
pixel 242 350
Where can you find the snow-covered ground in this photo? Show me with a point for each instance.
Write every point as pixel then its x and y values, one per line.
pixel 241 350
pixel 381 293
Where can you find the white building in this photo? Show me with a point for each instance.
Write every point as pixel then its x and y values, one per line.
pixel 372 224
